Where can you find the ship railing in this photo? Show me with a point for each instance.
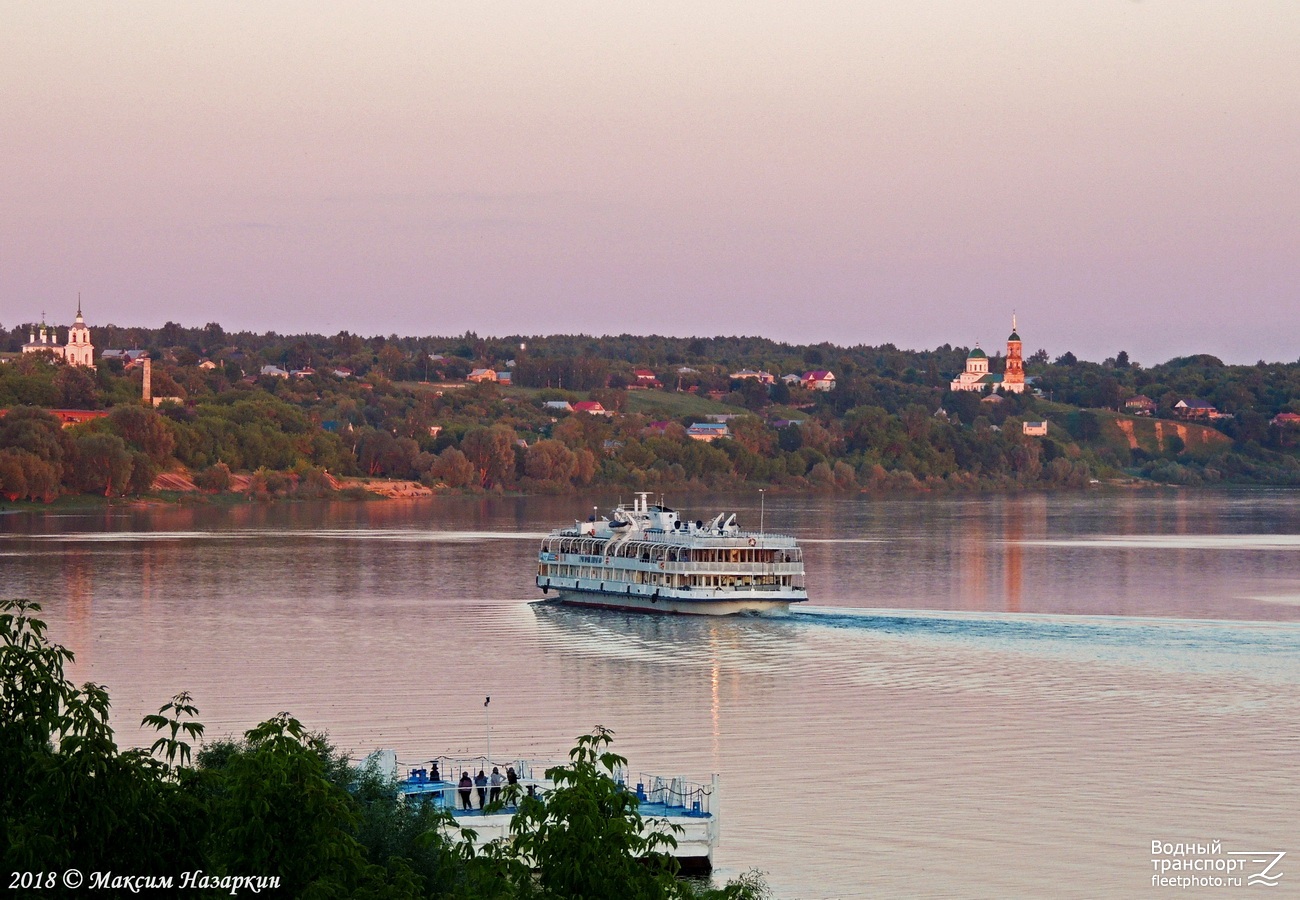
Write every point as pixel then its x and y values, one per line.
pixel 726 568
pixel 676 536
pixel 416 781
pixel 676 796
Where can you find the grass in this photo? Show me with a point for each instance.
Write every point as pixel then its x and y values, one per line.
pixel 674 405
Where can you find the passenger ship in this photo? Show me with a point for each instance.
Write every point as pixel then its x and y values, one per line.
pixel 644 557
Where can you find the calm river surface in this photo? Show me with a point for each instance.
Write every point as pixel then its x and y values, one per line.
pixel 987 697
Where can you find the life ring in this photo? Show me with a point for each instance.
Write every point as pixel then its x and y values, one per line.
pixel 661 565
pixel 752 542
pixel 606 560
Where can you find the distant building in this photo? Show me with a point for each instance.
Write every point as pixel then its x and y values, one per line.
pixel 754 375
pixel 273 371
pixel 819 380
pixel 978 377
pixel 506 378
pixel 1035 429
pixel 644 379
pixel 708 431
pixel 1193 408
pixel 560 405
pixel 78 351
pixel 1286 420
pixel 207 364
pixel 304 372
pixel 792 379
pixel 591 407
pixel 1141 405
pixel 69 417
pixel 481 375
pixel 130 358
pixel 342 372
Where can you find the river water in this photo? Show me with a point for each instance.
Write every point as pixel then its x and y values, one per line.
pixel 986 697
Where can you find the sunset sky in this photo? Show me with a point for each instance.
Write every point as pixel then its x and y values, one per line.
pixel 1121 174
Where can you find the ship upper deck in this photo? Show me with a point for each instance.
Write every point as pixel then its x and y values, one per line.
pixel 682 538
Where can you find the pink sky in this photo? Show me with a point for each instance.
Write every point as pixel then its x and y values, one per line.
pixel 1122 174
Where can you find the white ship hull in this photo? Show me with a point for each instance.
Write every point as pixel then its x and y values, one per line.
pixel 729 606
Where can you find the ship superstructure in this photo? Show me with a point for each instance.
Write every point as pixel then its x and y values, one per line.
pixel 646 557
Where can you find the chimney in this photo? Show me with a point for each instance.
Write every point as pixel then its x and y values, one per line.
pixel 148 381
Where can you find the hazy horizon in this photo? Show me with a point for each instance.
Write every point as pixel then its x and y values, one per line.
pixel 1118 173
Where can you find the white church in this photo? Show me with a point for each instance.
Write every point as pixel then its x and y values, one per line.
pixel 977 376
pixel 78 351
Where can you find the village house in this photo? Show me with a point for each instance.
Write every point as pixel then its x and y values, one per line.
pixel 560 405
pixel 819 380
pixel 591 408
pixel 708 431
pixel 479 375
pixel 1141 405
pixel 754 375
pixel 644 379
pixel 1035 429
pixel 505 378
pixel 1286 420
pixel 130 359
pixel 274 371
pixel 1193 408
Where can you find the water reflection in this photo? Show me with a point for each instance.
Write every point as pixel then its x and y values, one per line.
pixel 1056 671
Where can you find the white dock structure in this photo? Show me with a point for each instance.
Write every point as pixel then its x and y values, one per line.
pixel 663 802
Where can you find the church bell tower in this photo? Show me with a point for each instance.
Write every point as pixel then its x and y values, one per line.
pixel 1014 378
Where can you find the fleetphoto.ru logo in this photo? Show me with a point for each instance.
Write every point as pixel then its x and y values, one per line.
pixel 1185 865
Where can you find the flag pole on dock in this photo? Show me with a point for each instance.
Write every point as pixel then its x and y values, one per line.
pixel 762 507
pixel 488 722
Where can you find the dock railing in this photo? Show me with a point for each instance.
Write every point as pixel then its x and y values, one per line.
pixel 658 795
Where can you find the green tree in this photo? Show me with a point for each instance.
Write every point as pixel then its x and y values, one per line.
pixel 550 460
pixel 492 453
pixel 102 463
pixel 143 430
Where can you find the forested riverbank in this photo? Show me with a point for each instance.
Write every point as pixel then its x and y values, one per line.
pixel 275 416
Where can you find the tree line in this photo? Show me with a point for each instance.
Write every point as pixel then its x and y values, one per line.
pixel 890 423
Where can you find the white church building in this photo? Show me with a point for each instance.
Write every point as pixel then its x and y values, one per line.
pixel 977 376
pixel 78 351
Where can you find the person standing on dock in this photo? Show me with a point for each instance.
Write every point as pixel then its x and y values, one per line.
pixel 466 785
pixel 512 779
pixel 496 780
pixel 480 782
